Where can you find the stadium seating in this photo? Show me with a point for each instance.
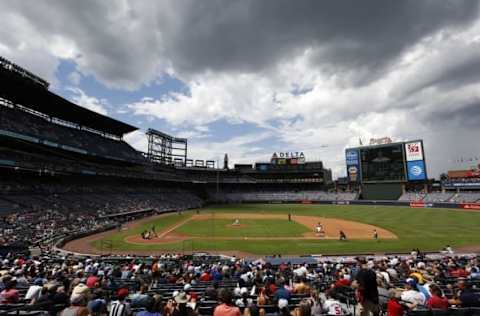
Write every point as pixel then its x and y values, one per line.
pixel 412 196
pixel 465 197
pixel 282 196
pixel 38 209
pixel 439 197
pixel 23 123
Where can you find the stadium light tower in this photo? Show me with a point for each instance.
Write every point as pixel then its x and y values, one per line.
pixel 166 149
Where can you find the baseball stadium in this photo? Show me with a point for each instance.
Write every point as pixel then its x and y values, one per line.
pixel 90 225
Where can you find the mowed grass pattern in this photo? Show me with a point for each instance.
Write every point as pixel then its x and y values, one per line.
pixel 427 229
pixel 249 228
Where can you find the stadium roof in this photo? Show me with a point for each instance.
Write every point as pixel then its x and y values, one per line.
pixel 20 91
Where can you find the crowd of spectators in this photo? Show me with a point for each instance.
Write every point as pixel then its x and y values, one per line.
pixel 272 196
pixel 465 197
pixel 177 285
pixel 37 211
pixel 442 197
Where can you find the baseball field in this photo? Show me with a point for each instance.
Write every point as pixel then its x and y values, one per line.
pixel 266 229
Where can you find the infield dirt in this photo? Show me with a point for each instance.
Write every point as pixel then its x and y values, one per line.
pixel 331 228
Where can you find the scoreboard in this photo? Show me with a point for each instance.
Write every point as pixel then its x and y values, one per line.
pixel 383 163
pixel 394 162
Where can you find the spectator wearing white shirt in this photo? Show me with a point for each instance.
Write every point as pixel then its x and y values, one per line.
pixel 332 305
pixel 34 291
pixel 411 295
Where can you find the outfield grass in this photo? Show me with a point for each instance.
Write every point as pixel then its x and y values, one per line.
pixel 249 228
pixel 427 229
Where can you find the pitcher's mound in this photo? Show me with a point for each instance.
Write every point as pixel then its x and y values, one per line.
pixel 236 226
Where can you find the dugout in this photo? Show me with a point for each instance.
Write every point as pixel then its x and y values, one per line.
pixel 381 191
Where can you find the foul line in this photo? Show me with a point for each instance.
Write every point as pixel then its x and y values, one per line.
pixel 172 228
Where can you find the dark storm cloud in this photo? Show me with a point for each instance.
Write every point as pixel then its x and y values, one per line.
pixel 128 43
pixel 110 40
pixel 464 115
pixel 251 35
pixel 461 74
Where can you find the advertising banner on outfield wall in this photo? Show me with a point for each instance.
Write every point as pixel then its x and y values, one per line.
pixel 414 151
pixel 352 158
pixel 416 170
pixel 420 204
pixel 470 206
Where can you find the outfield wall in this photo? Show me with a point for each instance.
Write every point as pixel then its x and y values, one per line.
pixel 474 206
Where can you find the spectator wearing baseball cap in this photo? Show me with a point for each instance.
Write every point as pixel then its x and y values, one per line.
pixel 120 307
pixel 411 295
pixel 93 281
pixel 78 302
pixel 182 308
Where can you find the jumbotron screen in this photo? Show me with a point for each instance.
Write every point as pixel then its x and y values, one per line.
pixel 385 163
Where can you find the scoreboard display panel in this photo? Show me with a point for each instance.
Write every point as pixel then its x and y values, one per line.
pixel 383 163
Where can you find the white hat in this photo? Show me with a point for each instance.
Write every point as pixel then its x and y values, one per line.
pixel 187 287
pixel 282 303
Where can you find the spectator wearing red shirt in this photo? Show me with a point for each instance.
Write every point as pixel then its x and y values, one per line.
pixel 10 294
pixel 342 282
pixel 458 272
pixel 437 301
pixel 394 308
pixel 226 307
pixel 271 287
pixel 205 276
pixel 190 294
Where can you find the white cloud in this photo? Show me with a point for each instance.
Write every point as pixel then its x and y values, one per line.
pixel 79 97
pixel 240 149
pixel 313 83
pixel 138 140
pixel 320 115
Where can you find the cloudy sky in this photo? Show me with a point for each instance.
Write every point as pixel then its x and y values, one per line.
pixel 253 77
